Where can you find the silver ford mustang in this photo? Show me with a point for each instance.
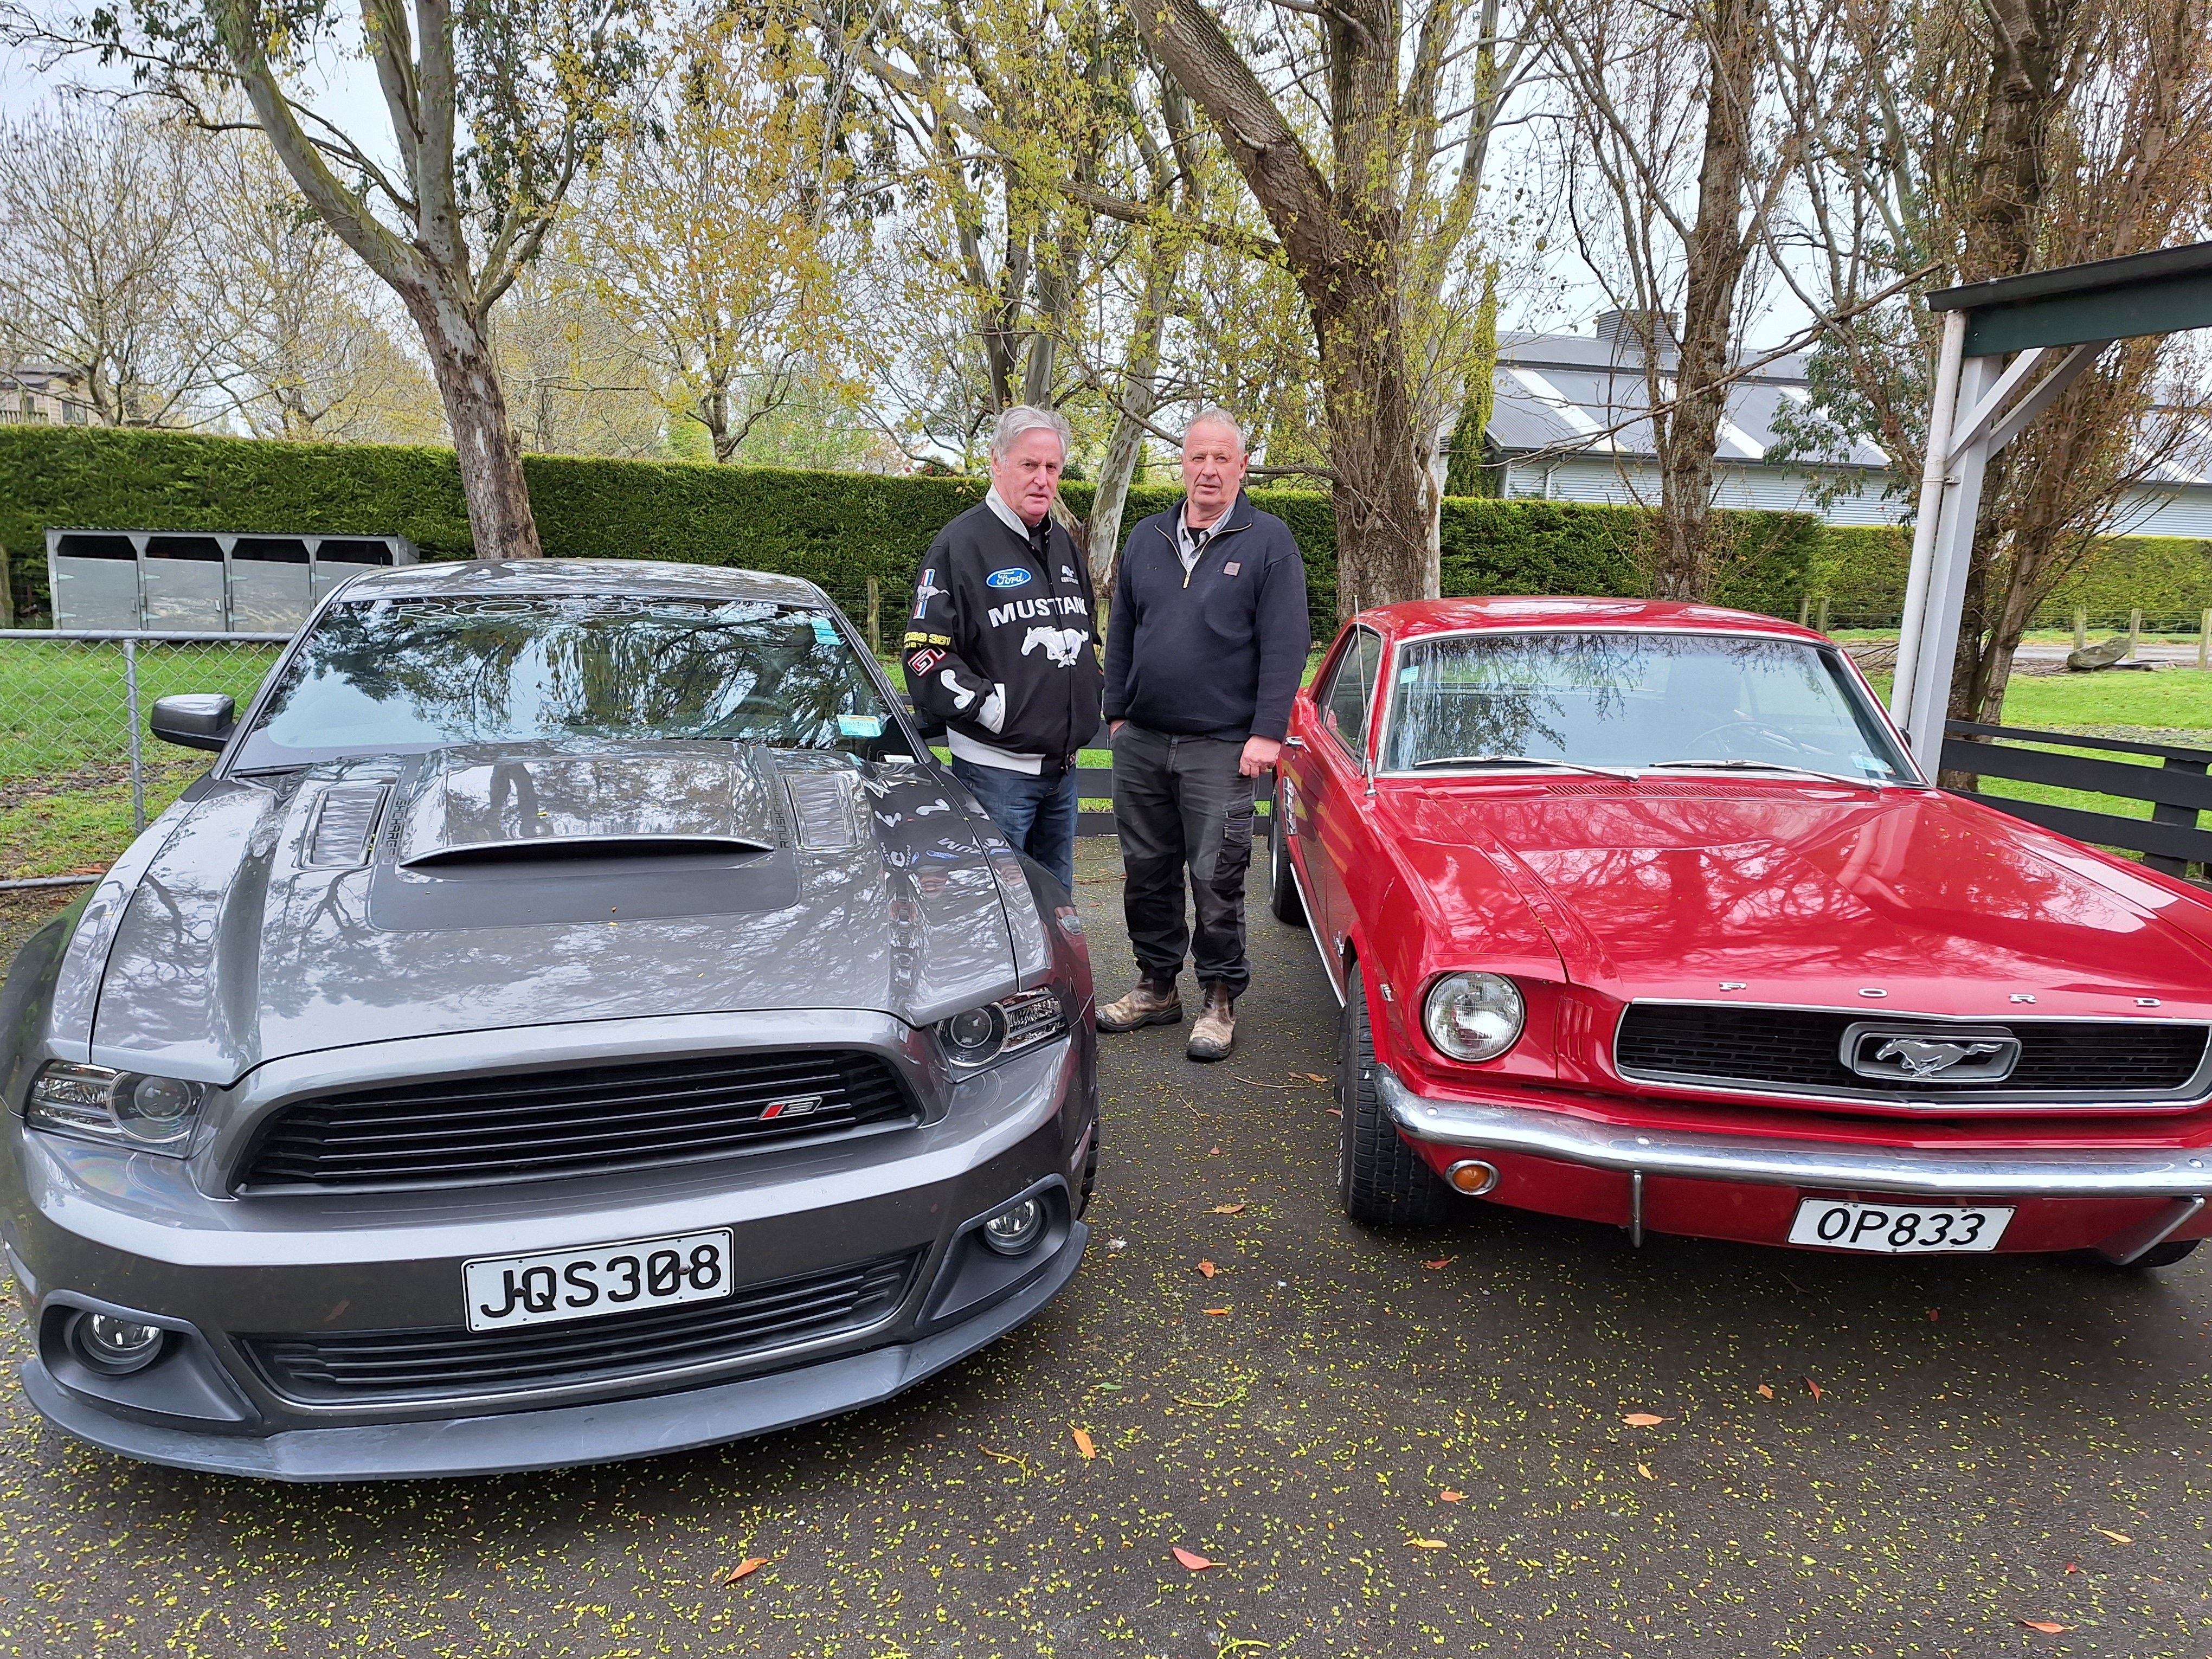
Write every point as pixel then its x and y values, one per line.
pixel 575 1018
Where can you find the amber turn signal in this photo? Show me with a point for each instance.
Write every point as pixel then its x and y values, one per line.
pixel 1472 1176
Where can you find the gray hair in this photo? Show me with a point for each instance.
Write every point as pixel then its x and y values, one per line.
pixel 1215 415
pixel 1022 418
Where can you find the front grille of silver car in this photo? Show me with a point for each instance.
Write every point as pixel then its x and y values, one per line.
pixel 534 1125
pixel 446 1361
pixel 2062 1062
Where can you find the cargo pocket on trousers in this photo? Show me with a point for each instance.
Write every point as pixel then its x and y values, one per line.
pixel 1235 855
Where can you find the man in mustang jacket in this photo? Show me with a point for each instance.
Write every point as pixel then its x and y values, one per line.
pixel 1002 647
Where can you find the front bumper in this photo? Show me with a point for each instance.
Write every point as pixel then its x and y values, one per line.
pixel 89 1229
pixel 2167 1187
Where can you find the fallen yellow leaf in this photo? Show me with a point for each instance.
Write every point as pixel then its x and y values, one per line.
pixel 1428 1543
pixel 745 1569
pixel 2046 1626
pixel 1083 1445
pixel 1231 1209
pixel 1207 1268
pixel 1643 1419
pixel 1195 1563
pixel 1448 1496
pixel 1644 1469
pixel 2117 1537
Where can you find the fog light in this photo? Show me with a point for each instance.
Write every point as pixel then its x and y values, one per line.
pixel 1016 1229
pixel 117 1346
pixel 1472 1176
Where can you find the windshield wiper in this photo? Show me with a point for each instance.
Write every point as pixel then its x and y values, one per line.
pixel 1521 760
pixel 1771 766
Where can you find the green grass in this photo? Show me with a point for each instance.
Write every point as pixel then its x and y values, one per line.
pixel 62 705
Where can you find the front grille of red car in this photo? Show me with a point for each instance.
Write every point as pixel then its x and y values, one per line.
pixel 1800 1051
pixel 531 1125
pixel 360 1366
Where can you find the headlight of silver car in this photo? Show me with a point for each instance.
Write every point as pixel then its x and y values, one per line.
pixel 120 1108
pixel 980 1036
pixel 1474 1016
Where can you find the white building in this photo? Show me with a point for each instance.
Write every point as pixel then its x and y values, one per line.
pixel 42 394
pixel 1567 426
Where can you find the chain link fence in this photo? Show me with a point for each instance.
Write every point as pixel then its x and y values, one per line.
pixel 79 774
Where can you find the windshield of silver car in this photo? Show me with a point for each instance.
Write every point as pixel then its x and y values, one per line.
pixel 1489 702
pixel 392 676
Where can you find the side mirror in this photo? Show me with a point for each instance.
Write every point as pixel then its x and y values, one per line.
pixel 197 720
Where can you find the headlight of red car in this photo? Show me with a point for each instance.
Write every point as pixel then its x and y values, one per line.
pixel 1474 1016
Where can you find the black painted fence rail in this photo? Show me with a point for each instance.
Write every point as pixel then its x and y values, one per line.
pixel 2169 839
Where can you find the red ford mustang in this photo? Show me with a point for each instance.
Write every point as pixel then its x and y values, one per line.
pixel 1641 913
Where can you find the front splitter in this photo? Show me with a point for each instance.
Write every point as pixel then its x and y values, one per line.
pixel 606 1432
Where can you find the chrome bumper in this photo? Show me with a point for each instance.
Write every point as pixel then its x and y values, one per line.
pixel 1912 1171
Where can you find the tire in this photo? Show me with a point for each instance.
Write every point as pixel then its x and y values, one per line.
pixel 1380 1179
pixel 2165 1254
pixel 1283 902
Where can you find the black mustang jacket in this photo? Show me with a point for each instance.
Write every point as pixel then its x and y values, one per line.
pixel 1002 642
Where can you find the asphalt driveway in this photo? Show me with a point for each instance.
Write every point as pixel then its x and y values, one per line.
pixel 1387 1445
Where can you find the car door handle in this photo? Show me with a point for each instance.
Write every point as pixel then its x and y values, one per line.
pixel 1294 743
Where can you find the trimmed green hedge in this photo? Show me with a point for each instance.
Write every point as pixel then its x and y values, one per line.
pixel 839 529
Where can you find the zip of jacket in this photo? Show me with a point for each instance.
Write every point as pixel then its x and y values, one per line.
pixel 1191 569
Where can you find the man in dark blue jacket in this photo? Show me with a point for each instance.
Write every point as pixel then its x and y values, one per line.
pixel 1204 648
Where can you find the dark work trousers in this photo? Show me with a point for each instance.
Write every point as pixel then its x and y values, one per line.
pixel 1180 805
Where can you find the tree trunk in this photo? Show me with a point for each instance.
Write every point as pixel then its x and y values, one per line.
pixel 501 523
pixel 1139 397
pixel 1714 261
pixel 1383 487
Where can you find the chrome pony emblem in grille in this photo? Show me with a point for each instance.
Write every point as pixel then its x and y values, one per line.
pixel 1979 1055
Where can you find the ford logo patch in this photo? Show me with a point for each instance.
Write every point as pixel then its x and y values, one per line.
pixel 1008 578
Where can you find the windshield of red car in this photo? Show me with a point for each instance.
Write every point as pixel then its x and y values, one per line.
pixel 1634 700
pixel 403 675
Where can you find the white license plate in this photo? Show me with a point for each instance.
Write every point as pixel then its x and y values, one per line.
pixel 506 1291
pixel 1896 1229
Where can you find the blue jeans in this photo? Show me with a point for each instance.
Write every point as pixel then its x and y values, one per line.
pixel 1037 814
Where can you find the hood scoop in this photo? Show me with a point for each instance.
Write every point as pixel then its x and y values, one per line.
pixel 478 808
pixel 499 836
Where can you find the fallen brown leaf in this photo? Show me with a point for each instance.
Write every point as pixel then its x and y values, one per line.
pixel 1195 1563
pixel 2117 1537
pixel 2073 1567
pixel 1334 1112
pixel 1643 1419
pixel 1932 1316
pixel 1428 1543
pixel 1766 1391
pixel 1084 1447
pixel 1441 1261
pixel 1448 1496
pixel 1644 1469
pixel 2046 1626
pixel 1213 1151
pixel 1207 1268
pixel 1815 1388
pixel 1313 1077
pixel 1216 1312
pixel 1231 1209
pixel 745 1569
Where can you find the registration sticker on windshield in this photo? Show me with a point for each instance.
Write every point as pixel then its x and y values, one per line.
pixel 1899 1229
pixel 859 725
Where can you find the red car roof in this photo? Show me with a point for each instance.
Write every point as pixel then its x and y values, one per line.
pixel 1419 616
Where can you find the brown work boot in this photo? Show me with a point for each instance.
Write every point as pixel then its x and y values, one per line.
pixel 1154 1002
pixel 1214 1032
